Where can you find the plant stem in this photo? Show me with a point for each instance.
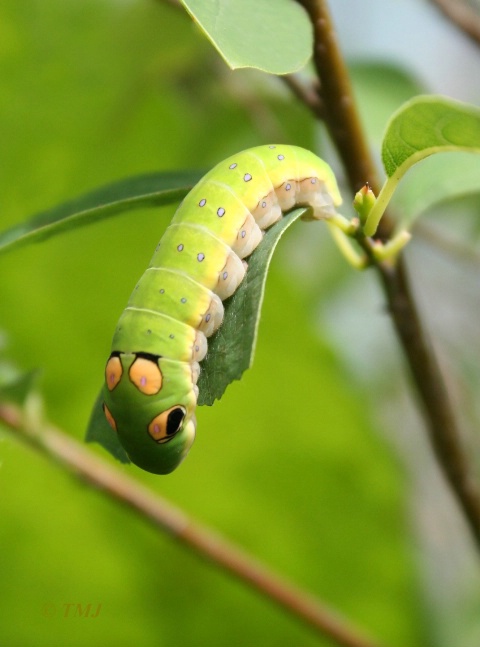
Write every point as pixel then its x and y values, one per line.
pixel 344 127
pixel 84 464
pixel 336 96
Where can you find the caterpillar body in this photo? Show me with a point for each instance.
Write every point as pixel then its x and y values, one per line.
pixel 150 390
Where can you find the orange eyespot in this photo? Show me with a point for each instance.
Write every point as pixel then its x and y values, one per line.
pixel 113 372
pixel 109 417
pixel 164 426
pixel 146 375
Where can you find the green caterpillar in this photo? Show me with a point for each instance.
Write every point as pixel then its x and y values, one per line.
pixel 150 390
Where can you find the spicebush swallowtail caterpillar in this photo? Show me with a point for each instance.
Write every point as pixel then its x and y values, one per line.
pixel 150 390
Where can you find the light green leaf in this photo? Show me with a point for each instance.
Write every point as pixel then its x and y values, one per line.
pixel 275 37
pixel 427 125
pixel 143 191
pixel 232 348
pixel 423 126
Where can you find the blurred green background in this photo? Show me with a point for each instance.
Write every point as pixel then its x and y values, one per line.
pixel 297 462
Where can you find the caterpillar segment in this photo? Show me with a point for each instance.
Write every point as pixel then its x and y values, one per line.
pixel 150 391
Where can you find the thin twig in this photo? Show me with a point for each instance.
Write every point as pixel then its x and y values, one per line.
pixel 344 127
pixel 461 15
pixel 307 93
pixel 83 463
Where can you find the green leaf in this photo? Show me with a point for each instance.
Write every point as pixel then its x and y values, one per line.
pixel 143 191
pixel 275 37
pixel 232 348
pixel 421 127
pixel 99 431
pixel 427 125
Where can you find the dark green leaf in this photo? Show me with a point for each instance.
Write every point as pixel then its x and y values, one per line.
pixel 231 349
pixel 143 191
pixel 99 431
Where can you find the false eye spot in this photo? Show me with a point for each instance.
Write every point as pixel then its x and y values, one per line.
pixel 281 157
pixel 247 177
pixel 220 212
pixel 180 247
pixel 109 417
pixel 202 202
pixel 113 372
pixel 164 426
pixel 200 257
pixel 146 375
pixel 232 166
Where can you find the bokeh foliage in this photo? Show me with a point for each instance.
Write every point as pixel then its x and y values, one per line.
pixel 288 463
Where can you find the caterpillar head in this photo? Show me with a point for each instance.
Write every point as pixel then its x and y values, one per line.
pixel 150 401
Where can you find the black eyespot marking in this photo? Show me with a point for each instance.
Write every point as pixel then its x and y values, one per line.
pixel 202 202
pixel 172 336
pixel 150 356
pixel 174 421
pixel 162 291
pixel 200 257
pixel 220 212
pixel 183 300
pixel 247 177
pixel 180 247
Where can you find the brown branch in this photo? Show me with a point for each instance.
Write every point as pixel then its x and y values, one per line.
pixel 462 16
pixel 434 397
pixel 83 463
pixel 344 127
pixel 336 96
